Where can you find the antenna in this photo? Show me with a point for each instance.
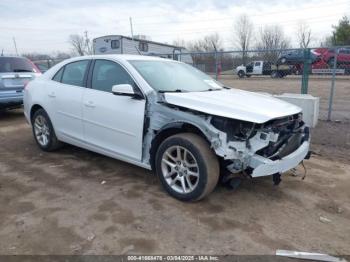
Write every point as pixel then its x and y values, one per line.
pixel 14 43
pixel 132 36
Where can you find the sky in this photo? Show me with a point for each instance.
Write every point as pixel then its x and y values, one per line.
pixel 44 26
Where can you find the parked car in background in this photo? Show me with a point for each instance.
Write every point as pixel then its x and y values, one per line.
pixel 296 56
pixel 328 55
pixel 15 73
pixel 46 64
pixel 263 68
pixel 166 116
pixel 42 67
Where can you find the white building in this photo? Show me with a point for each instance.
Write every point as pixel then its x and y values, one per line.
pixel 118 44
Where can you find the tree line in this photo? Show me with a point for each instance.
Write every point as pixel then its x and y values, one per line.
pixel 245 36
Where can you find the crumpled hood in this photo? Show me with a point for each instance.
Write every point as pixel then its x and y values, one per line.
pixel 234 104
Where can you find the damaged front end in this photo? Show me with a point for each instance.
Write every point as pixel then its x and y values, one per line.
pixel 262 149
pixel 257 149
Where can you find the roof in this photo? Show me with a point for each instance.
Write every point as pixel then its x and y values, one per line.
pixel 142 40
pixel 119 57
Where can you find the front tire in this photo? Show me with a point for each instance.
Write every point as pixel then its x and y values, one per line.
pixel 43 131
pixel 186 166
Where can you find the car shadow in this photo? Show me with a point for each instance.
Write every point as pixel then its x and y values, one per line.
pixel 8 115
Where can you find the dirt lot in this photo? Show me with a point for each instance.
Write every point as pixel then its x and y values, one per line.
pixel 54 203
pixel 318 86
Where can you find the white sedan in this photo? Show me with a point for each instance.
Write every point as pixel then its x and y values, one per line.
pixel 166 116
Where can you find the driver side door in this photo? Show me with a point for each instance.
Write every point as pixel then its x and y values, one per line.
pixel 112 123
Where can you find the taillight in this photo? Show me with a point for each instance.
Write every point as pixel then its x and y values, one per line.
pixel 26 85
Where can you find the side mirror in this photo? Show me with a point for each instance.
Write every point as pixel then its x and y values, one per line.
pixel 123 90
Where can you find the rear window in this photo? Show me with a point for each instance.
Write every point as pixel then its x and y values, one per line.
pixel 16 64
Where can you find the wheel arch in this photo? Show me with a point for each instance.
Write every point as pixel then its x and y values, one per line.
pixel 33 109
pixel 171 129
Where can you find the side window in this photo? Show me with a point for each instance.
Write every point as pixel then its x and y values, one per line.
pixel 74 73
pixel 58 75
pixel 107 74
pixel 115 44
pixel 143 46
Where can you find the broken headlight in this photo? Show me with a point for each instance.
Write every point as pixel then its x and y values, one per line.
pixel 235 129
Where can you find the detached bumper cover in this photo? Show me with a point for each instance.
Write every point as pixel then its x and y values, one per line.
pixel 264 167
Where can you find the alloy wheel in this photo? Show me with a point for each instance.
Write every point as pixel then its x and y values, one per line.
pixel 180 169
pixel 42 130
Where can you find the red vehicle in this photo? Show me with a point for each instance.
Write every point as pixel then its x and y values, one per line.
pixel 321 64
pixel 328 55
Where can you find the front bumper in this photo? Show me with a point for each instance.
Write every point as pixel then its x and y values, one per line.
pixel 264 167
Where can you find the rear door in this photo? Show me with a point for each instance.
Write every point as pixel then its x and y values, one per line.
pixel 65 100
pixel 249 68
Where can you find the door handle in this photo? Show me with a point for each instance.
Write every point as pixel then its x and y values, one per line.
pixel 89 104
pixel 52 94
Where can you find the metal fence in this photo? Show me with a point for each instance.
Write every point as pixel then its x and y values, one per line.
pixel 321 72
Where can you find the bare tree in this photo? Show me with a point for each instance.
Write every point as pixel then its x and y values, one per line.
pixel 243 31
pixel 210 43
pixel 303 35
pixel 59 55
pixel 213 42
pixel 36 56
pixel 81 44
pixel 179 42
pixel 207 44
pixel 78 44
pixel 272 40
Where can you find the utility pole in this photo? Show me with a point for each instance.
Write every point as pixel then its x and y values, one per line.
pixel 131 29
pixel 14 43
pixel 132 35
pixel 87 43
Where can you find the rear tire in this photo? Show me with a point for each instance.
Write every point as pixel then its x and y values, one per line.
pixel 241 74
pixel 43 131
pixel 274 74
pixel 186 166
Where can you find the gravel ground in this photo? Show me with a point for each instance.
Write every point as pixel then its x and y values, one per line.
pixel 78 202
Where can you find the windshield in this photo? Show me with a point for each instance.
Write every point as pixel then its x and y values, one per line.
pixel 16 64
pixel 168 76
